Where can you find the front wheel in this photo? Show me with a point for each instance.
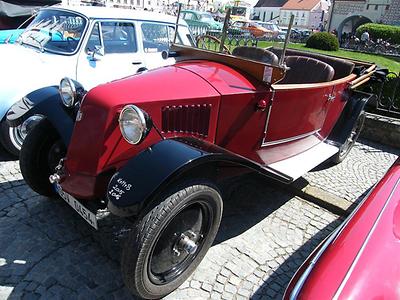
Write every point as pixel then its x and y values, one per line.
pixel 40 154
pixel 171 240
pixel 351 140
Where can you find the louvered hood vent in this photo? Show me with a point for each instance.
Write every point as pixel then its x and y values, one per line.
pixel 192 119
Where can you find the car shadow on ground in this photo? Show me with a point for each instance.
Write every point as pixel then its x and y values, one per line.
pixel 281 276
pixel 251 199
pixel 274 287
pixel 47 250
pixel 5 156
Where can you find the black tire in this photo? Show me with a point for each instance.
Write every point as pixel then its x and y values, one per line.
pixel 40 154
pixel 6 141
pixel 144 248
pixel 345 148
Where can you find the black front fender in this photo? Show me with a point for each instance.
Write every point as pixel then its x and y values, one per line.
pixel 135 186
pixel 47 103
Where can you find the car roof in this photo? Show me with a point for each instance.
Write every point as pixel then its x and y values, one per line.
pixel 196 12
pixel 100 12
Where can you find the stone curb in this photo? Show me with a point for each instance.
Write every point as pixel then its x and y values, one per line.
pixel 323 199
pixel 381 129
pixel 318 196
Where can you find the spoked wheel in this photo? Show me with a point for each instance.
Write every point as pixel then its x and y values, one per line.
pixel 171 240
pixel 210 42
pixel 351 140
pixel 40 154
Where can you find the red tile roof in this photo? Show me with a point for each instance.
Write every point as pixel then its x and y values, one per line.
pixel 300 4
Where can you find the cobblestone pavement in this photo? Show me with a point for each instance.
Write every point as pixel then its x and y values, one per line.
pixel 47 251
pixel 366 163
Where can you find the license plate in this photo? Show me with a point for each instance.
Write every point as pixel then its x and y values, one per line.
pixel 85 213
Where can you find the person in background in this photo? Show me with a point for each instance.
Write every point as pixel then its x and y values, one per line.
pixel 365 37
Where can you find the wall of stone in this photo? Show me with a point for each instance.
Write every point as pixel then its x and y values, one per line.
pixel 393 14
pixel 381 129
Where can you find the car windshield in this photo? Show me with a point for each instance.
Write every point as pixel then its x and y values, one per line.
pixel 206 18
pixel 54 31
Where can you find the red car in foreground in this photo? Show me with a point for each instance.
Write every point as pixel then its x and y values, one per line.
pixel 361 258
pixel 157 145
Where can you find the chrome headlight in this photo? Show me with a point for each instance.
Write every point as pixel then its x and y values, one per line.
pixel 67 91
pixel 134 124
pixel 71 91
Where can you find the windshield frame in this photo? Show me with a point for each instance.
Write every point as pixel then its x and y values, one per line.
pixel 43 49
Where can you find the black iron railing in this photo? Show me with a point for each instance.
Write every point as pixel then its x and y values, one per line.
pixel 207 39
pixel 389 95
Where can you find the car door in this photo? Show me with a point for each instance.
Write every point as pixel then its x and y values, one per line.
pixel 111 52
pixel 295 120
pixel 155 39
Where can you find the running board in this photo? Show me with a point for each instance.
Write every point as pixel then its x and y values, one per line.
pixel 297 165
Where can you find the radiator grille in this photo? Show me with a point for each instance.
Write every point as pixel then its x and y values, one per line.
pixel 192 119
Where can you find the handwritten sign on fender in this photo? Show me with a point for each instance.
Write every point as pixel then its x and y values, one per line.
pixel 119 188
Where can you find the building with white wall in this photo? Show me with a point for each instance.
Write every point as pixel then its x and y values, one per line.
pixel 267 10
pixel 152 5
pixel 309 14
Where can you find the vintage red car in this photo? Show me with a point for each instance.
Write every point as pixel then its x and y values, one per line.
pixel 359 260
pixel 156 146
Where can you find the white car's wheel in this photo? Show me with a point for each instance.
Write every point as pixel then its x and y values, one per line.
pixel 11 138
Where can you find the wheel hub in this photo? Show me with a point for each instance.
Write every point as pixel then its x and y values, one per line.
pixel 186 243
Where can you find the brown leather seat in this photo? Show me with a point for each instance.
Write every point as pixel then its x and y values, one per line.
pixel 342 67
pixel 257 54
pixel 306 70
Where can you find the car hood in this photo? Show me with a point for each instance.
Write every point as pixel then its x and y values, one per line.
pixel 150 91
pixel 10 35
pixel 216 25
pixel 23 70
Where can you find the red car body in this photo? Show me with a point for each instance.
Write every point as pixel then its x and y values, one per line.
pixel 360 259
pixel 227 99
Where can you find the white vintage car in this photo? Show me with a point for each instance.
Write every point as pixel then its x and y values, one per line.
pixel 92 45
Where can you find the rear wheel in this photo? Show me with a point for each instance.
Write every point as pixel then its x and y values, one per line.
pixel 40 154
pixel 171 240
pixel 345 148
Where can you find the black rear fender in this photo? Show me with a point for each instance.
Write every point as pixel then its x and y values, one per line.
pixel 354 107
pixel 45 102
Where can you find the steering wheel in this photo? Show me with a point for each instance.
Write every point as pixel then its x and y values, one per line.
pixel 71 42
pixel 210 42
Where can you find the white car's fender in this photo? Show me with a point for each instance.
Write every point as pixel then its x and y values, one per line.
pixel 24 70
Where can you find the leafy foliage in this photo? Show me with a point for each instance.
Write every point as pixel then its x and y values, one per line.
pixel 381 31
pixel 323 41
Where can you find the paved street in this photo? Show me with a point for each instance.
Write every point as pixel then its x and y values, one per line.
pixel 366 164
pixel 47 251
